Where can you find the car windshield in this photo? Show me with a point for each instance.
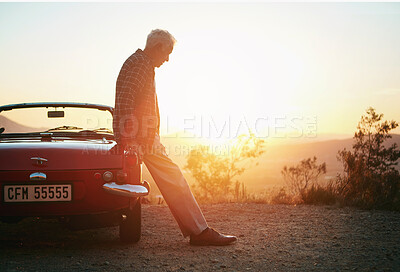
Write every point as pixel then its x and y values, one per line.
pixel 51 119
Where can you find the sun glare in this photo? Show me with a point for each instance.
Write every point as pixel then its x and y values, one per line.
pixel 260 84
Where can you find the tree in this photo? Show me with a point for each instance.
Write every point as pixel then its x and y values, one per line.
pixel 298 178
pixel 214 173
pixel 370 178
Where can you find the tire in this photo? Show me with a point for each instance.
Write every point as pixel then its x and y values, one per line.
pixel 130 227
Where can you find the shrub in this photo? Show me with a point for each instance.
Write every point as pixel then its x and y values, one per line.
pixel 282 197
pixel 370 179
pixel 298 178
pixel 214 173
pixel 319 195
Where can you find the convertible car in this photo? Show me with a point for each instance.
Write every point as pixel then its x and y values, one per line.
pixel 61 160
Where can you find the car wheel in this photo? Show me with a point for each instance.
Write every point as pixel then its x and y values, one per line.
pixel 130 226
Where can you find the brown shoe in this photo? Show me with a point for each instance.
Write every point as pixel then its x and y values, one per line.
pixel 210 237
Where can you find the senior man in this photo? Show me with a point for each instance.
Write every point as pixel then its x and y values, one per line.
pixel 136 124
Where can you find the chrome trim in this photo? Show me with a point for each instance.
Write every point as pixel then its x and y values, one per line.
pixel 147 185
pixel 37 176
pixel 39 160
pixel 128 190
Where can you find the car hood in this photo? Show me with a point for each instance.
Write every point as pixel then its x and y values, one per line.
pixel 60 155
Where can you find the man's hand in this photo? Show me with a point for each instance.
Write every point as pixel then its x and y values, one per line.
pixel 136 147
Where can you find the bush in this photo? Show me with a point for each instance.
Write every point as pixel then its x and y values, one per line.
pixel 319 195
pixel 215 173
pixel 282 197
pixel 370 179
pixel 300 177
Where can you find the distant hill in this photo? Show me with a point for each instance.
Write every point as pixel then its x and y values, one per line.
pixel 268 173
pixel 13 126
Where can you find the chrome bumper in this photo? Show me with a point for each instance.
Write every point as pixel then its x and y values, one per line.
pixel 128 190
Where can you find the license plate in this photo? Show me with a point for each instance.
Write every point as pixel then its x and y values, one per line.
pixel 37 193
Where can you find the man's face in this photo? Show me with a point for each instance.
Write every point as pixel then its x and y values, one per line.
pixel 162 55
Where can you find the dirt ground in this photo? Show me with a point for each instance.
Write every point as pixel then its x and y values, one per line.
pixel 271 237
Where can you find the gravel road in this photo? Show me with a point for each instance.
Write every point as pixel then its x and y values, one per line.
pixel 271 237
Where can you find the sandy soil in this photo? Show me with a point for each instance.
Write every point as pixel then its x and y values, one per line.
pixel 271 237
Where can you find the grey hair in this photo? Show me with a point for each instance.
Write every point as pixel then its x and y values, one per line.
pixel 160 36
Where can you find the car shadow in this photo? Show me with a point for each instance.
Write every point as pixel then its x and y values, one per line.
pixel 50 233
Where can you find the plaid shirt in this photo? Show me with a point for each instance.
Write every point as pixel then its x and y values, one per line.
pixel 136 114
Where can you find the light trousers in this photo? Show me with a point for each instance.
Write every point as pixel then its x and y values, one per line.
pixel 175 190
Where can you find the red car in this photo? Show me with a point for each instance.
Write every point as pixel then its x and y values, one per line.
pixel 61 160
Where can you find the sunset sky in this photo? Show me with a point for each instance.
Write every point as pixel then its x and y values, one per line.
pixel 277 68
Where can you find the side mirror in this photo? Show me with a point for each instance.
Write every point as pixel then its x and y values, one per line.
pixel 55 114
